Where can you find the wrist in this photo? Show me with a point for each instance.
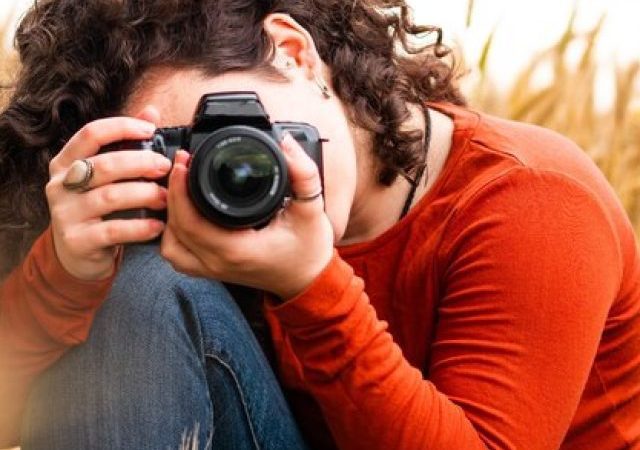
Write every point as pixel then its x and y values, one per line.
pixel 43 264
pixel 85 271
pixel 318 302
pixel 305 278
pixel 89 274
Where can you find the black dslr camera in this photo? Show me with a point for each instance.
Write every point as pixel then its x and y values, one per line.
pixel 238 177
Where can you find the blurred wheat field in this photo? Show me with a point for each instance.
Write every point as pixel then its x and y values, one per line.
pixel 565 102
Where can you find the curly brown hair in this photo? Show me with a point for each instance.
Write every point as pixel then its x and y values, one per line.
pixel 80 61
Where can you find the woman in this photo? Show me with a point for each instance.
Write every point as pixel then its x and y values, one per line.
pixel 463 282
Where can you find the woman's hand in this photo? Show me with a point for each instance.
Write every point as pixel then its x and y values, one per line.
pixel 282 258
pixel 85 244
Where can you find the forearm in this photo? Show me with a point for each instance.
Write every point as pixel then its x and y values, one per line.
pixel 370 395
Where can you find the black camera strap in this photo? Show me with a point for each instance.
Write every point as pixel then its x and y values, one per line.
pixel 415 183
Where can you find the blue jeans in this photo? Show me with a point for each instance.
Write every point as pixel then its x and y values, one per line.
pixel 170 359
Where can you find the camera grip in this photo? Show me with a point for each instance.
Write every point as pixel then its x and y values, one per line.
pixel 142 213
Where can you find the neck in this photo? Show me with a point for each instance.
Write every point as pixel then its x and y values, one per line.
pixel 377 208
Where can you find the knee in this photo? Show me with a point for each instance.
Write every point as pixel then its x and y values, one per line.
pixel 153 305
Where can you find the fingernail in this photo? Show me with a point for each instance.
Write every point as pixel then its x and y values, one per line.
pixel 163 164
pixel 181 158
pixel 157 226
pixel 163 195
pixel 147 127
pixel 289 144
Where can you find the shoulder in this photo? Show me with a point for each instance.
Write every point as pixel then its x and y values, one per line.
pixel 489 152
pixel 535 219
pixel 480 135
pixel 533 146
pixel 509 187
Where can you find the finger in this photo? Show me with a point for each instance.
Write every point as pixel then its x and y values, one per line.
pixel 126 231
pixel 127 165
pixel 183 158
pixel 114 197
pixel 88 141
pixel 110 233
pixel 179 256
pixel 304 178
pixel 181 211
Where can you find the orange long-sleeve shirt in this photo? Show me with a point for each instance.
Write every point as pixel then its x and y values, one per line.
pixel 503 312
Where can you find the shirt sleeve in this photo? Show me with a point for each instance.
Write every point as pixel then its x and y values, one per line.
pixel 530 266
pixel 43 311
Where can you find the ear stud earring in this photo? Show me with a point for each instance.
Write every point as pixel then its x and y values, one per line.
pixel 283 62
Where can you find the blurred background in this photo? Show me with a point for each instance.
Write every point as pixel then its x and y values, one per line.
pixel 569 65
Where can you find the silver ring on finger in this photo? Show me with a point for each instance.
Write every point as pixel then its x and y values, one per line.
pixel 79 175
pixel 306 199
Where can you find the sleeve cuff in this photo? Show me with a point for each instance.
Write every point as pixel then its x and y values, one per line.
pixel 44 268
pixel 318 301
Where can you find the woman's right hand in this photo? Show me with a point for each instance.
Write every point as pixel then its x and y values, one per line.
pixel 86 245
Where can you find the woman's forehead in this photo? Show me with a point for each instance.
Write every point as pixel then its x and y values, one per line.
pixel 176 92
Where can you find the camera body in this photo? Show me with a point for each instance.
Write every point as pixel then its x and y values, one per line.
pixel 238 177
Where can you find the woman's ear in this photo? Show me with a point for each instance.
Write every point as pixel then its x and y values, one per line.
pixel 293 45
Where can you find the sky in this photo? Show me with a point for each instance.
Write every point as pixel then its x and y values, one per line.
pixel 523 27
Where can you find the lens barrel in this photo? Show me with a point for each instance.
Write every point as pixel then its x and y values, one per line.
pixel 238 177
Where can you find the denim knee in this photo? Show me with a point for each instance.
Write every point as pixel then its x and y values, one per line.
pixel 149 296
pixel 199 316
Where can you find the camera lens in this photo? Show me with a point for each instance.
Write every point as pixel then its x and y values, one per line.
pixel 238 177
pixel 243 172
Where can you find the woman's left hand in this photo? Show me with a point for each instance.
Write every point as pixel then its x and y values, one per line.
pixel 282 258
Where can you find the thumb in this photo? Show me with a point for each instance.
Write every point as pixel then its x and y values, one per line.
pixel 304 178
